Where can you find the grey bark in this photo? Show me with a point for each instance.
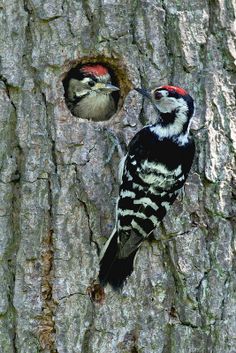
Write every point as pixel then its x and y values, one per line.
pixel 58 179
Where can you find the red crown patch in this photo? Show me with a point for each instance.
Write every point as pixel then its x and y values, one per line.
pixel 176 89
pixel 96 70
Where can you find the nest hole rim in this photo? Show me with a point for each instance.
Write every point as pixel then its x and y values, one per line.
pixel 117 69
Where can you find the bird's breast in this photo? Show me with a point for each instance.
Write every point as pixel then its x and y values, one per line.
pixel 97 107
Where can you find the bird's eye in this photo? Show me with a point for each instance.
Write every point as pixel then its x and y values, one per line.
pixel 158 95
pixel 91 83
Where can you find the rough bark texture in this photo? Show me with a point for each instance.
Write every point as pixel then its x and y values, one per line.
pixel 58 179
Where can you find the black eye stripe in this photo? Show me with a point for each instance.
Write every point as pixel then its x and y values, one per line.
pixel 158 95
pixel 93 78
pixel 91 83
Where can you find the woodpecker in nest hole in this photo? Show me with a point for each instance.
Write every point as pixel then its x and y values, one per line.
pixel 152 173
pixel 89 95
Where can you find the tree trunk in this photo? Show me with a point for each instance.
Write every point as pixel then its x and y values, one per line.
pixel 59 179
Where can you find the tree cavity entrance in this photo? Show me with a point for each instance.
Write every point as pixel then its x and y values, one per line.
pixel 90 88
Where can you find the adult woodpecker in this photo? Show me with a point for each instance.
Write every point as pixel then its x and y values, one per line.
pixel 89 95
pixel 154 170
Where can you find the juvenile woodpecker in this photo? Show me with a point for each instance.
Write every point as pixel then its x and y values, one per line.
pixel 89 94
pixel 154 170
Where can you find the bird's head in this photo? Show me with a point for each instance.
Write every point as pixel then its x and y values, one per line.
pixel 173 104
pixel 93 79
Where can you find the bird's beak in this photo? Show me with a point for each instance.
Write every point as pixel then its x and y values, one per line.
pixel 105 87
pixel 144 92
pixel 148 95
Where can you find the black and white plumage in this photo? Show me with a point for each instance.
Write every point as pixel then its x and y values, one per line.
pixel 154 170
pixel 90 93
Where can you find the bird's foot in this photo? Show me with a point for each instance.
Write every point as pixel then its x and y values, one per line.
pixel 96 292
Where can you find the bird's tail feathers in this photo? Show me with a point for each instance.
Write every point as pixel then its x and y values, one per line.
pixel 116 263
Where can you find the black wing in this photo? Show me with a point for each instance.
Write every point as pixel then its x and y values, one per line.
pixel 154 172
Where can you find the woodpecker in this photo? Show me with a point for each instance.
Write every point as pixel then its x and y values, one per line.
pixel 89 95
pixel 153 172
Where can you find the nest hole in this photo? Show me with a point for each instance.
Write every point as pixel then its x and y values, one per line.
pixel 79 105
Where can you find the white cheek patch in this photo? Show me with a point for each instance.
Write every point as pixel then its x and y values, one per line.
pixel 175 128
pixel 86 80
pixel 168 104
pixel 81 93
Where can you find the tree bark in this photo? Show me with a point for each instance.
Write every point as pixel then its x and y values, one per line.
pixel 58 179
